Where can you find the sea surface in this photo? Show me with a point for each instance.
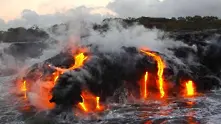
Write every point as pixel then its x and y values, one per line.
pixel 203 109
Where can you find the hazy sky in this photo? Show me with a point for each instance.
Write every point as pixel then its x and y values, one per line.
pixel 14 13
pixel 10 9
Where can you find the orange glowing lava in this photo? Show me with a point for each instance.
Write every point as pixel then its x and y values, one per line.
pixel 82 105
pixel 79 60
pixel 56 76
pixel 43 88
pixel 98 103
pixel 144 86
pixel 190 90
pixel 24 89
pixel 160 66
pixel 90 102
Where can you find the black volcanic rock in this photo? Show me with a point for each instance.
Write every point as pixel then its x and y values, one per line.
pixel 102 74
pixel 208 82
pixel 212 57
pixel 105 72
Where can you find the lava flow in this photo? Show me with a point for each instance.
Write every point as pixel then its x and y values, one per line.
pixel 24 89
pixel 144 86
pixel 47 98
pixel 190 90
pixel 160 66
pixel 44 88
pixel 79 60
pixel 88 98
pixel 90 102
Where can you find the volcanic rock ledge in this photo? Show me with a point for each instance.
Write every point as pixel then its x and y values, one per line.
pixel 105 72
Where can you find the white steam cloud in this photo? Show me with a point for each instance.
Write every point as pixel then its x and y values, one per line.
pixel 137 36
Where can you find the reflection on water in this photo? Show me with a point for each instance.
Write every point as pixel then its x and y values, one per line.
pixel 167 111
pixel 190 114
pixel 202 109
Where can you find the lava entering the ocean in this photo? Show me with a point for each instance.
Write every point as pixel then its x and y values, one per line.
pixel 87 97
pixel 143 88
pixel 88 85
pixel 90 102
pixel 160 66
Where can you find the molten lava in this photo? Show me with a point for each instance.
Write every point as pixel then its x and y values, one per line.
pixel 56 76
pixel 144 86
pixel 82 105
pixel 90 102
pixel 88 99
pixel 98 103
pixel 79 60
pixel 160 66
pixel 190 90
pixel 24 89
pixel 43 88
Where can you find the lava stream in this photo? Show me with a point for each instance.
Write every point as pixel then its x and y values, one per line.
pixel 79 61
pixel 98 103
pixel 24 89
pixel 160 66
pixel 144 86
pixel 190 90
pixel 45 87
pixel 90 102
pixel 88 99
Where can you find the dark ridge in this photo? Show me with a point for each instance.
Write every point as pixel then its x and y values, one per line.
pixel 195 23
pixel 20 34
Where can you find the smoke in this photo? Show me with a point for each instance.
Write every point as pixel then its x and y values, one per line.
pixel 6 61
pixel 137 36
